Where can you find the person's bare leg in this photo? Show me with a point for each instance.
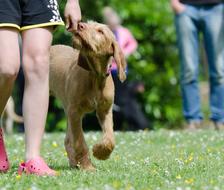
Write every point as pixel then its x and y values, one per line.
pixel 36 46
pixel 9 63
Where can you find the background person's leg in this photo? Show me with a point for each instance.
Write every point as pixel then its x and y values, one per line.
pixel 9 63
pixel 135 116
pixel 187 36
pixel 36 45
pixel 214 38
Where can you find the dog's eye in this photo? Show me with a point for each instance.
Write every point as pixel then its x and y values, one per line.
pixel 100 31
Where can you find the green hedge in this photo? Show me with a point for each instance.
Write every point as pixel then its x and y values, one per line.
pixel 155 62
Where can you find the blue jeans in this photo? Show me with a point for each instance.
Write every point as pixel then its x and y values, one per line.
pixel 209 20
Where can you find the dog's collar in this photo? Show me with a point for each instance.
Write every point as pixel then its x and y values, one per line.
pixel 85 64
pixel 82 62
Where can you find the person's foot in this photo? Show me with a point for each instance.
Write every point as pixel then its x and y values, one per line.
pixel 36 166
pixel 219 125
pixel 4 163
pixel 193 125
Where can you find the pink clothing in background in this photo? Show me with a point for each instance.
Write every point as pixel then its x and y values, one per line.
pixel 126 41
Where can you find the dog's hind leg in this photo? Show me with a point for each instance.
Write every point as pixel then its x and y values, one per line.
pixel 75 144
pixel 103 149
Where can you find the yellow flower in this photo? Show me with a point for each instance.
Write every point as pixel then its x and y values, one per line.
pixel 178 177
pixel 54 144
pixel 128 187
pixel 65 154
pixel 190 158
pixel 116 184
pixel 209 150
pixel 189 181
pixel 18 177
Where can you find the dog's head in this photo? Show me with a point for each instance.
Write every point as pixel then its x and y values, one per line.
pixel 97 41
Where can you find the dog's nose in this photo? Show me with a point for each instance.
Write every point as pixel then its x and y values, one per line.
pixel 81 26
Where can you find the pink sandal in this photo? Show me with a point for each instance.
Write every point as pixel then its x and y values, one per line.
pixel 4 163
pixel 36 166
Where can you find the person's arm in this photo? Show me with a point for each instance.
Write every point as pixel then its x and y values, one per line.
pixel 131 44
pixel 128 43
pixel 177 6
pixel 72 15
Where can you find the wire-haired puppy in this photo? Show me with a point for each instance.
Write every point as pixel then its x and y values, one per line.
pixel 81 79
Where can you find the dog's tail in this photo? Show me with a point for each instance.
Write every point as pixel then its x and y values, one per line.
pixel 16 118
pixel 104 148
pixel 11 113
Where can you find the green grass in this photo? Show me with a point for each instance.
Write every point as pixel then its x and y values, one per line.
pixel 176 160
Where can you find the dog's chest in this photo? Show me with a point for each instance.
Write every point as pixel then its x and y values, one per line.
pixel 94 103
pixel 91 102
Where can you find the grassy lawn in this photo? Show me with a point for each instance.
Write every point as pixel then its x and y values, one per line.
pixel 177 160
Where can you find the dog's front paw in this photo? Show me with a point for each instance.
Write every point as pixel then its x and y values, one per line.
pixel 83 162
pixel 102 151
pixel 88 167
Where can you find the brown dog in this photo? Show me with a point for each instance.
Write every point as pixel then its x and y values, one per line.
pixel 81 80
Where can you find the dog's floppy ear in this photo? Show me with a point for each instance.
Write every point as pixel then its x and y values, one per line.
pixel 120 61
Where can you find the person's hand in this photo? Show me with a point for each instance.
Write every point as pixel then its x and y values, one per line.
pixel 177 6
pixel 72 15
